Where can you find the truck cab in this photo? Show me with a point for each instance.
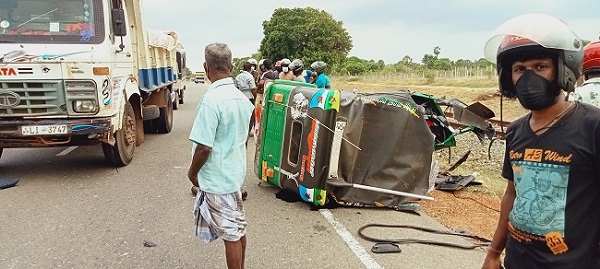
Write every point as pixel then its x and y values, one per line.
pixel 85 72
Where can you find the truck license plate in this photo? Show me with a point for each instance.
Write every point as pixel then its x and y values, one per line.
pixel 44 129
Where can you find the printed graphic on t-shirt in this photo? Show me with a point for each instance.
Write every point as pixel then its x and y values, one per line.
pixel 539 207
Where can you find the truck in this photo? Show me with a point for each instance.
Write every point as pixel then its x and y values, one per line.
pixel 199 77
pixel 85 72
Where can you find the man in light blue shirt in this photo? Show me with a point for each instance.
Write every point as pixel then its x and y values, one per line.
pixel 218 165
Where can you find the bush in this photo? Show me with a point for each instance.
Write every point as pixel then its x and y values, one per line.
pixel 429 76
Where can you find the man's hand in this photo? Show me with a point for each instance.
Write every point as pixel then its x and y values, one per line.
pixel 492 261
pixel 193 177
pixel 198 160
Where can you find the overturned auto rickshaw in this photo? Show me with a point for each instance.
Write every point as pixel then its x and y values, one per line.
pixel 355 149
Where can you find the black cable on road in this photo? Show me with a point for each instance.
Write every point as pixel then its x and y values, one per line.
pixel 483 241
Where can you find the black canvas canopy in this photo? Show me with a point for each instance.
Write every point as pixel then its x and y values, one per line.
pixel 386 143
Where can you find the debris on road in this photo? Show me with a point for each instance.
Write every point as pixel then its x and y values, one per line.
pixel 149 244
pixel 6 183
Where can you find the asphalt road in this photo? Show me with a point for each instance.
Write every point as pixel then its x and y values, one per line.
pixel 71 210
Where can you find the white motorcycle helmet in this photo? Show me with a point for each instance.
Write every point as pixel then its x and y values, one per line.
pixel 318 66
pixel 253 61
pixel 296 65
pixel 285 65
pixel 535 33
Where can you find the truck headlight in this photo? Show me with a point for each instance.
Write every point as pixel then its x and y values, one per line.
pixel 85 106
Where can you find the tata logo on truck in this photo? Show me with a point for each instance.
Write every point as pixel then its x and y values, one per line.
pixel 9 99
pixel 7 71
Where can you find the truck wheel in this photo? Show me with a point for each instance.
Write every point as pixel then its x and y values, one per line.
pixel 176 102
pixel 122 152
pixel 181 91
pixel 149 127
pixel 164 123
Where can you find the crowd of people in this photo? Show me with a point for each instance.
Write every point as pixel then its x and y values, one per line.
pixel 285 69
pixel 255 74
pixel 548 216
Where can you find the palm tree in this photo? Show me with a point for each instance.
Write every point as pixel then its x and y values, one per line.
pixel 436 51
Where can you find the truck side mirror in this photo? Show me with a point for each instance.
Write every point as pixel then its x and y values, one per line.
pixel 180 56
pixel 118 22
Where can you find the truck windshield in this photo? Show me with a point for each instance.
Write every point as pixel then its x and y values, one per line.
pixel 51 21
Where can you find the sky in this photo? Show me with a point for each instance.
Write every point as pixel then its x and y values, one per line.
pixel 380 29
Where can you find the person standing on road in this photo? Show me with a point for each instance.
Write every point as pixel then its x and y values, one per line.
pixel 261 70
pixel 297 68
pixel 307 74
pixel 549 215
pixel 313 77
pixel 286 73
pixel 218 166
pixel 321 80
pixel 268 72
pixel 267 75
pixel 246 84
pixel 277 69
pixel 254 68
pixel 589 91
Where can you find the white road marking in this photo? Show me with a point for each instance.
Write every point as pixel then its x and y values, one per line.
pixel 358 250
pixel 66 151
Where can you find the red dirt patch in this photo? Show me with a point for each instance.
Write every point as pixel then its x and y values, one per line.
pixel 465 214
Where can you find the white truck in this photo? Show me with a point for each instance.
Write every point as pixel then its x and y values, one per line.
pixel 85 72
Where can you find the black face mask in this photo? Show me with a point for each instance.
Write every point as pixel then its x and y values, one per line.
pixel 535 92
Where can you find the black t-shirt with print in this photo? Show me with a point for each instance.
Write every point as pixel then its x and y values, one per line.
pixel 556 214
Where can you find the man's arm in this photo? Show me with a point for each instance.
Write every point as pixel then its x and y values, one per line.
pixel 253 87
pixel 492 259
pixel 198 160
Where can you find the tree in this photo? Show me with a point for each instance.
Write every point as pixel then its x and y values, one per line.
pixel 308 34
pixel 356 66
pixel 187 73
pixel 428 60
pixel 463 63
pixel 436 51
pixel 443 64
pixel 238 65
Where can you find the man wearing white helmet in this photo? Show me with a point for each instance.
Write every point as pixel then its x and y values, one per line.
pixel 297 69
pixel 321 80
pixel 261 69
pixel 286 73
pixel 253 68
pixel 589 91
pixel 549 215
